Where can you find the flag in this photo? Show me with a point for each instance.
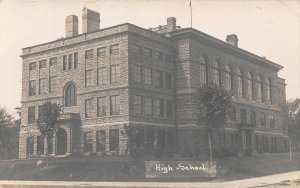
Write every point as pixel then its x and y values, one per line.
pixel 190 3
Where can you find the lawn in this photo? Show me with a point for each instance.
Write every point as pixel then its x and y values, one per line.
pixel 112 169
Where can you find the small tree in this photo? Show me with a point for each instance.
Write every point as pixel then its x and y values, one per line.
pixel 292 115
pixel 49 114
pixel 6 121
pixel 215 104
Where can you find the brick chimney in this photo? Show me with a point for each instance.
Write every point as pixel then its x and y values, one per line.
pixel 171 24
pixel 71 26
pixel 90 20
pixel 232 40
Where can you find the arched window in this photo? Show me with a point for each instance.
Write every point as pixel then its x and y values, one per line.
pixel 259 89
pixel 70 95
pixel 203 71
pixel 216 73
pixel 250 86
pixel 228 78
pixel 268 90
pixel 240 85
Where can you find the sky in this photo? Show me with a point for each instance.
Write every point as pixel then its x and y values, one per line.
pixel 269 28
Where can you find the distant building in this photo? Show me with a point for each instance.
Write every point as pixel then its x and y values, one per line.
pixel 125 75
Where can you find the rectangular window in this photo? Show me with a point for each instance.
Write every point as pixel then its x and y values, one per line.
pixel 137 49
pixel 53 61
pixel 263 119
pixel 89 54
pixel 169 84
pixel 158 78
pixel 88 108
pixel 232 114
pixel 31 115
pixel 115 105
pixel 75 60
pixel 32 66
pixel 253 118
pixel 65 62
pixel 148 106
pixel 40 109
pixel 43 85
pixel 114 140
pixel 52 84
pixel 148 76
pixel 88 141
pixel 243 115
pixel 169 108
pixel 160 107
pixel 32 87
pixel 101 141
pixel 114 49
pixel 137 73
pixel 272 120
pixel 70 61
pixel 101 76
pixel 89 81
pixel 138 104
pixel 147 52
pixel 168 58
pixel 101 52
pixel 114 74
pixel 158 55
pixel 42 64
pixel 101 106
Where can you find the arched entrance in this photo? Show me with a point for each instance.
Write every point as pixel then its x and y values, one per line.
pixel 61 142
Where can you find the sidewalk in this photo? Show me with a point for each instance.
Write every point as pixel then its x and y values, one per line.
pixel 253 182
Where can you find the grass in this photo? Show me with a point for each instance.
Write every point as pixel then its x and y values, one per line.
pixel 111 169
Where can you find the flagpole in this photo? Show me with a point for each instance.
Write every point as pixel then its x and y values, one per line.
pixel 191 13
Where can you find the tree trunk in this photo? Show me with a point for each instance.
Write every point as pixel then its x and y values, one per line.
pixel 210 146
pixel 291 157
pixel 47 154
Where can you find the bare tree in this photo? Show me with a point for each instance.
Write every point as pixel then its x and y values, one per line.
pixel 215 104
pixel 49 114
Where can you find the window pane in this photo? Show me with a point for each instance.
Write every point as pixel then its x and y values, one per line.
pixel 101 106
pixel 169 84
pixel 148 106
pixel 75 60
pixel 114 74
pixel 114 140
pixel 160 107
pixel 52 84
pixel 138 104
pixel 101 52
pixel 89 78
pixel 169 109
pixel 148 76
pixel 31 115
pixel 101 141
pixel 89 54
pixel 88 141
pixel 102 76
pixel 32 66
pixel 137 73
pixel 43 86
pixel 88 108
pixel 114 49
pixel 53 61
pixel 32 87
pixel 114 105
pixel 42 64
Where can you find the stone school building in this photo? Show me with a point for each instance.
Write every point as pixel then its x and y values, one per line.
pixel 110 78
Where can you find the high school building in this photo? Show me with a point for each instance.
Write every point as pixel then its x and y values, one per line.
pixel 111 78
